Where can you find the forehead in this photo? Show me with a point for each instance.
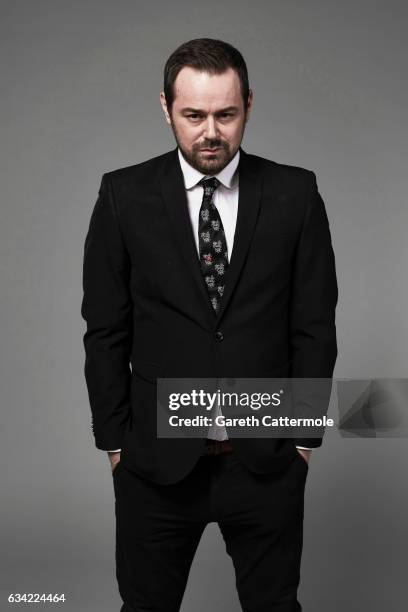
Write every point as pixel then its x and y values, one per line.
pixel 196 89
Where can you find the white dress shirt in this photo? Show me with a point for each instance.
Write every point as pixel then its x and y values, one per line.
pixel 225 199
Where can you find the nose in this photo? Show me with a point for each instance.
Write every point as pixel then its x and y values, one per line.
pixel 210 128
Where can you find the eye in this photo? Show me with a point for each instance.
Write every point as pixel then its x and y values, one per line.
pixel 193 116
pixel 226 116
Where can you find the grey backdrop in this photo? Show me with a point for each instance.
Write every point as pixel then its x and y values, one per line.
pixel 80 96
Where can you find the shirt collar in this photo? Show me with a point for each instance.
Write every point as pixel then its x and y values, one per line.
pixel 227 176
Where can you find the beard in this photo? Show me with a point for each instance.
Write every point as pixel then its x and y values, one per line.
pixel 205 161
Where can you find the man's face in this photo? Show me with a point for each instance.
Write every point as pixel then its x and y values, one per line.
pixel 207 117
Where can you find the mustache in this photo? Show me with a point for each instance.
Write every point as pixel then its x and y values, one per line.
pixel 212 144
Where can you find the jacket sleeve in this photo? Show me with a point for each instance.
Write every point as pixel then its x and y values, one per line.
pixel 107 310
pixel 313 303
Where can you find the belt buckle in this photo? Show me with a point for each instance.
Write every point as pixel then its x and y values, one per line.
pixel 211 447
pixel 216 447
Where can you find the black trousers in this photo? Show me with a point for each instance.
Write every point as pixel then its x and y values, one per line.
pixel 158 528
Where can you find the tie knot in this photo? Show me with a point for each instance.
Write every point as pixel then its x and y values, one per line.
pixel 209 185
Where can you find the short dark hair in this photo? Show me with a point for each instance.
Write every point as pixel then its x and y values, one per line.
pixel 207 55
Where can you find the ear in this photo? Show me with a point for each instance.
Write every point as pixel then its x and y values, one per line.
pixel 164 107
pixel 250 102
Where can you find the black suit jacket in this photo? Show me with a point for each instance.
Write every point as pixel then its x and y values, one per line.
pixel 146 304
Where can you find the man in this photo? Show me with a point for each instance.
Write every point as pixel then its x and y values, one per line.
pixel 205 262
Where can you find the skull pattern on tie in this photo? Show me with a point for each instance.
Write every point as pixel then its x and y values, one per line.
pixel 212 244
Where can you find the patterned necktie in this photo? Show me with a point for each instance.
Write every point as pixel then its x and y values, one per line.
pixel 212 243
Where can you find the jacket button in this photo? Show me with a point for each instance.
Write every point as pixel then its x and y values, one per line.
pixel 219 335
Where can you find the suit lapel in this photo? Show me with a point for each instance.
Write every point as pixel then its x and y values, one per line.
pixel 249 200
pixel 175 199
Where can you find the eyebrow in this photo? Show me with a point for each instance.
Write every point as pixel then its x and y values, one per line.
pixel 197 110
